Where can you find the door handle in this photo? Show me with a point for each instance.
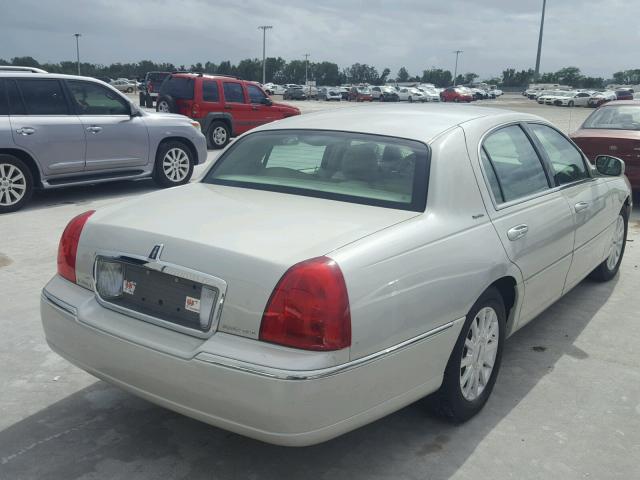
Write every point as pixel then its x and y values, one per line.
pixel 26 131
pixel 580 206
pixel 254 108
pixel 517 232
pixel 94 129
pixel 227 107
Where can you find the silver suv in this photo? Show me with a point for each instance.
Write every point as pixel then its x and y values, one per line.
pixel 60 130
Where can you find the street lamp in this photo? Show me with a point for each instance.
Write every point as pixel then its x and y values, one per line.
pixel 455 72
pixel 537 72
pixel 264 29
pixel 77 35
pixel 306 69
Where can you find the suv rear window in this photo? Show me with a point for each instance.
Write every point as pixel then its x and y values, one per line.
pixel 4 104
pixel 43 97
pixel 350 167
pixel 156 77
pixel 180 88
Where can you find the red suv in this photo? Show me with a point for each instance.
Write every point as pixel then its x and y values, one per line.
pixel 456 94
pixel 224 106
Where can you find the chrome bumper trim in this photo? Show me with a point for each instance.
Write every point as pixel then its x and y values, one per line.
pixel 59 304
pixel 321 373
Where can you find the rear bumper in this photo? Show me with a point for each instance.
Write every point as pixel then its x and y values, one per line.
pixel 268 404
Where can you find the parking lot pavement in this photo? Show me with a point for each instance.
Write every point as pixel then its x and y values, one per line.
pixel 566 404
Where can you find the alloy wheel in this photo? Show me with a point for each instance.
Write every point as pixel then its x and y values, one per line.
pixel 13 185
pixel 175 164
pixel 163 107
pixel 479 353
pixel 615 250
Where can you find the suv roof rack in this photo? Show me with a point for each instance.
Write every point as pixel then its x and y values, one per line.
pixel 200 74
pixel 13 68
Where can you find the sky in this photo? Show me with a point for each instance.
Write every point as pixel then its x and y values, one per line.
pixel 600 37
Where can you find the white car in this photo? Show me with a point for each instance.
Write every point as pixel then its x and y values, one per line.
pixel 332 268
pixel 124 85
pixel 274 89
pixel 411 94
pixel 495 93
pixel 572 99
pixel 430 94
pixel 329 93
pixel 541 96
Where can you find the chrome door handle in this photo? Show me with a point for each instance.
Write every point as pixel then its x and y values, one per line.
pixel 94 129
pixel 580 206
pixel 26 131
pixel 517 232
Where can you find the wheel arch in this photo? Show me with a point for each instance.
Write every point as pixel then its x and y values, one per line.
pixel 211 117
pixel 28 160
pixel 507 286
pixel 183 140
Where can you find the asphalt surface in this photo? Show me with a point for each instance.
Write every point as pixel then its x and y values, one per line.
pixel 566 404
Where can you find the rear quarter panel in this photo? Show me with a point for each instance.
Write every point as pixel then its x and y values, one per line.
pixel 423 273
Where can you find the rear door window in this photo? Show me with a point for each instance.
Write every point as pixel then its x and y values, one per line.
pixel 4 103
pixel 43 97
pixel 16 105
pixel 516 164
pixel 210 91
pixel 233 92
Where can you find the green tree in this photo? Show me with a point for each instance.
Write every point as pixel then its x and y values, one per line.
pixel 569 76
pixel 469 77
pixel 25 62
pixel 403 75
pixel 383 76
pixel 437 76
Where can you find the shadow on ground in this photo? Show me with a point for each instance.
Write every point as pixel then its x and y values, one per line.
pixel 102 432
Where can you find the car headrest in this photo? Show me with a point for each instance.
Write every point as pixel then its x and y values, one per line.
pixel 359 162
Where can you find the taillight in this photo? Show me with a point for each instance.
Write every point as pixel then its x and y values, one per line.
pixel 309 308
pixel 150 87
pixel 69 246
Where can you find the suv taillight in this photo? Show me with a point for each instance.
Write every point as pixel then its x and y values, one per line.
pixel 309 308
pixel 150 87
pixel 69 246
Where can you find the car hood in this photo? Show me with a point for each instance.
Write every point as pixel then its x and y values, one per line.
pixel 248 238
pixel 283 107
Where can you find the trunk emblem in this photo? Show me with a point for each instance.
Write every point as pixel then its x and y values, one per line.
pixel 156 251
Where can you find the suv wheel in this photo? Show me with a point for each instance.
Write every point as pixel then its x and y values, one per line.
pixel 218 134
pixel 165 105
pixel 16 183
pixel 174 164
pixel 149 101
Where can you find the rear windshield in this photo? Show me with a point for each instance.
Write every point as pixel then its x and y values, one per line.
pixel 623 117
pixel 349 167
pixel 180 88
pixel 157 76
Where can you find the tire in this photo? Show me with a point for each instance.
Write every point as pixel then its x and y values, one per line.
pixel 174 164
pixel 571 104
pixel 454 402
pixel 166 104
pixel 16 184
pixel 609 268
pixel 218 135
pixel 410 99
pixel 149 101
pixel 129 90
pixel 142 100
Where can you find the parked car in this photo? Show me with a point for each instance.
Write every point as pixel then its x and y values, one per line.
pixel 572 99
pixel 456 94
pixel 479 94
pixel 105 79
pixel 150 88
pixel 295 93
pixel 329 93
pixel 61 130
pixel 430 94
pixel 613 129
pixel 543 95
pixel 273 89
pixel 411 94
pixel 624 94
pixel 495 93
pixel 600 98
pixel 344 92
pixel 310 283
pixel 124 85
pixel 224 106
pixel 360 94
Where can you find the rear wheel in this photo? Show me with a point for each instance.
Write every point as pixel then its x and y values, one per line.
pixel 608 269
pixel 149 101
pixel 174 164
pixel 571 104
pixel 475 361
pixel 218 135
pixel 16 184
pixel 166 105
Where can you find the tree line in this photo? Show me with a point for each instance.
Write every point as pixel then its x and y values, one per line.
pixel 278 70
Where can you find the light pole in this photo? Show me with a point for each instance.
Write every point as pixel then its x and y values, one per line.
pixel 77 35
pixel 264 29
pixel 537 72
pixel 306 69
pixel 455 72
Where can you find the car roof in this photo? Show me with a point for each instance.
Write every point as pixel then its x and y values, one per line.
pixel 418 122
pixel 7 74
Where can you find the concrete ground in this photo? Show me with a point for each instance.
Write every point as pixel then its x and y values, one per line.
pixel 566 404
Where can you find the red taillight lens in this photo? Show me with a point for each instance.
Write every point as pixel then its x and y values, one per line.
pixel 69 246
pixel 309 308
pixel 150 87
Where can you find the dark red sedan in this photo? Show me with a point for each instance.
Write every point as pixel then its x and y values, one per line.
pixel 456 94
pixel 614 129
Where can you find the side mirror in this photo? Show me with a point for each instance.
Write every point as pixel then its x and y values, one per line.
pixel 266 101
pixel 609 166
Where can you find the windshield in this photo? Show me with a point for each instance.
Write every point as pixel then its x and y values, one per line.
pixel 623 117
pixel 350 167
